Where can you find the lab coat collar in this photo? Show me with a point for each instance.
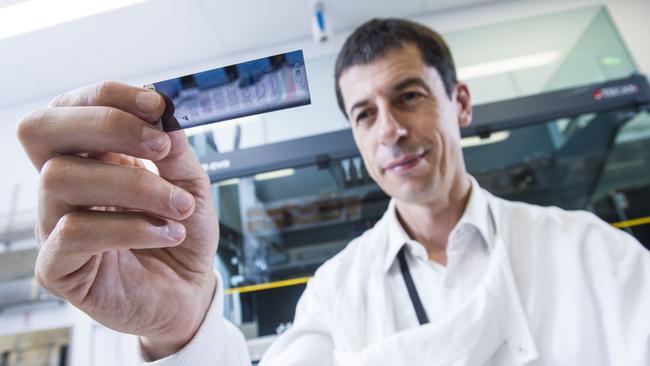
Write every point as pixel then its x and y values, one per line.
pixel 491 319
pixel 476 214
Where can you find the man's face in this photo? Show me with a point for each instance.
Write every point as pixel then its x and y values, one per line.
pixel 405 125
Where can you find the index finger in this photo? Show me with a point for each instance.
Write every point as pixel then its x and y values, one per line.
pixel 73 130
pixel 143 103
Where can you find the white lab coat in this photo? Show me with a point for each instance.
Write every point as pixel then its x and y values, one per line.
pixel 561 288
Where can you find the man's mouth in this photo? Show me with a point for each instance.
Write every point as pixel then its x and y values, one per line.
pixel 404 163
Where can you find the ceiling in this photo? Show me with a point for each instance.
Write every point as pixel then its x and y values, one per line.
pixel 159 35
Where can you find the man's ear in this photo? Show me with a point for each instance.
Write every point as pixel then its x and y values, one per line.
pixel 464 104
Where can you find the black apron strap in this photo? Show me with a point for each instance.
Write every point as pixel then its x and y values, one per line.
pixel 410 286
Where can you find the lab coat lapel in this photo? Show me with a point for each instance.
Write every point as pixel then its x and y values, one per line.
pixel 469 337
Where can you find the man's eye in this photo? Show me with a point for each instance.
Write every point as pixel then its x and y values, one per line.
pixel 361 116
pixel 410 96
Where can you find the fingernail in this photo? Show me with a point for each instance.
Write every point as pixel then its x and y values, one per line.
pixel 147 101
pixel 175 230
pixel 154 139
pixel 181 200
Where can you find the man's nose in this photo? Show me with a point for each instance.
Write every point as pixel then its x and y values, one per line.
pixel 390 129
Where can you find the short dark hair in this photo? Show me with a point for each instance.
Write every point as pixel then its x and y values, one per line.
pixel 376 37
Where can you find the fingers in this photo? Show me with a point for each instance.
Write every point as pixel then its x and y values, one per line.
pixel 81 234
pixel 109 122
pixel 180 164
pixel 181 168
pixel 70 182
pixel 140 102
pixel 105 117
pixel 65 130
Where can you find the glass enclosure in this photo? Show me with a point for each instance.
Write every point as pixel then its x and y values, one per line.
pixel 597 161
pixel 283 224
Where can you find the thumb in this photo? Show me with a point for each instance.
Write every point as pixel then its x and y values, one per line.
pixel 180 165
pixel 182 168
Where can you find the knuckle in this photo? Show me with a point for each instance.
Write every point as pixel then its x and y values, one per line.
pixel 43 270
pixel 205 179
pixel 90 95
pixel 57 101
pixel 28 124
pixel 38 235
pixel 69 227
pixel 45 278
pixel 141 183
pixel 102 91
pixel 202 182
pixel 39 275
pixel 103 116
pixel 106 119
pixel 54 173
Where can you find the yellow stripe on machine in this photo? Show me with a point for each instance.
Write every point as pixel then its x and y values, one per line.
pixel 633 222
pixel 268 285
pixel 301 280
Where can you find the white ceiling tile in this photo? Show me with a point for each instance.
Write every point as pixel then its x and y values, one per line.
pixel 117 45
pixel 350 14
pixel 439 5
pixel 247 24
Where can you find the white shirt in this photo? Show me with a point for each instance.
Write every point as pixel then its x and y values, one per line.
pixel 524 285
pixel 441 288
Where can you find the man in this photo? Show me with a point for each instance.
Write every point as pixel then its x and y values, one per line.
pixel 451 275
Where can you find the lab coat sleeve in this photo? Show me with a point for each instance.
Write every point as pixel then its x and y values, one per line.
pixel 620 266
pixel 308 341
pixel 217 341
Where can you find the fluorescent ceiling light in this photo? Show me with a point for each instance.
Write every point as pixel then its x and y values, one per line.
pixel 477 141
pixel 31 15
pixel 611 60
pixel 508 65
pixel 228 182
pixel 274 174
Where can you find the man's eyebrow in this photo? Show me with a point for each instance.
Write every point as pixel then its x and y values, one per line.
pixel 403 84
pixel 358 104
pixel 417 81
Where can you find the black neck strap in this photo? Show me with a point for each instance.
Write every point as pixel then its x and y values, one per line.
pixel 410 286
